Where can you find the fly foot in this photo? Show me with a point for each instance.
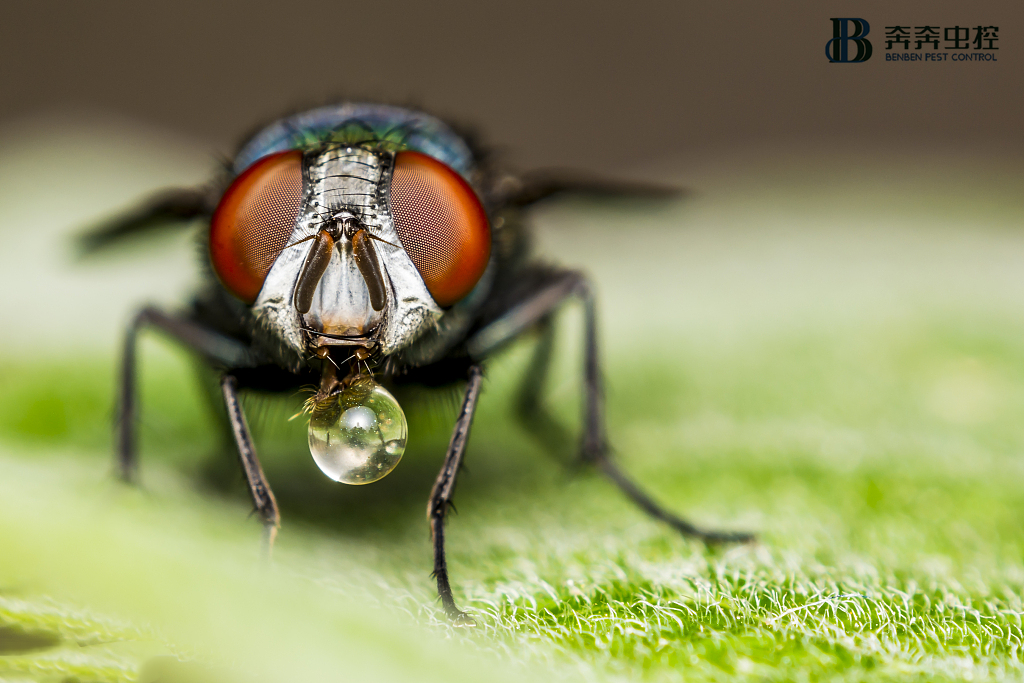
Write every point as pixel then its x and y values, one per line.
pixel 716 537
pixel 267 540
pixel 461 619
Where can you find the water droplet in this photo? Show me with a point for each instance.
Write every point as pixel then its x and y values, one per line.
pixel 358 436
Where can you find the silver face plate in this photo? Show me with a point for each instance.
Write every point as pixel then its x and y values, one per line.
pixel 346 182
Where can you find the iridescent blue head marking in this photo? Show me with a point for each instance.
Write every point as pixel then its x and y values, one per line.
pixel 406 129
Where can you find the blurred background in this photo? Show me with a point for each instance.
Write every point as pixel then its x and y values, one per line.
pixel 107 101
pixel 599 85
pixel 823 342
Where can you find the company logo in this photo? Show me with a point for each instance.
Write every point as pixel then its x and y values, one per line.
pixel 845 31
pixel 966 43
pixel 913 43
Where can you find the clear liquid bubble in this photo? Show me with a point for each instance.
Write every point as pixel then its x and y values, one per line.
pixel 359 436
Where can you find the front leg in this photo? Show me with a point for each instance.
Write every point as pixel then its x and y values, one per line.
pixel 262 497
pixel 444 489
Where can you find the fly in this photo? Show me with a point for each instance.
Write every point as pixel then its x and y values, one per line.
pixel 357 247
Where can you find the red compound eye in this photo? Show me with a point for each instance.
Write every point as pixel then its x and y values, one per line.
pixel 253 222
pixel 441 224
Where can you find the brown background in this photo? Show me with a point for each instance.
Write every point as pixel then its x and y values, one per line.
pixel 590 84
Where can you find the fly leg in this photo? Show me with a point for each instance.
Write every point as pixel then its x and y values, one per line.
pixel 441 496
pixel 534 307
pixel 215 347
pixel 262 497
pixel 218 350
pixel 529 406
pixel 595 444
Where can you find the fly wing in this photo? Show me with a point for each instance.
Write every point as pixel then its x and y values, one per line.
pixel 169 209
pixel 536 186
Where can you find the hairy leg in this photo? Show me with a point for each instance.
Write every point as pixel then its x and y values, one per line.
pixel 262 497
pixel 443 491
pixel 529 401
pixel 219 350
pixel 212 345
pixel 533 308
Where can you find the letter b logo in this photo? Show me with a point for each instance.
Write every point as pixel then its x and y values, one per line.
pixel 837 49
